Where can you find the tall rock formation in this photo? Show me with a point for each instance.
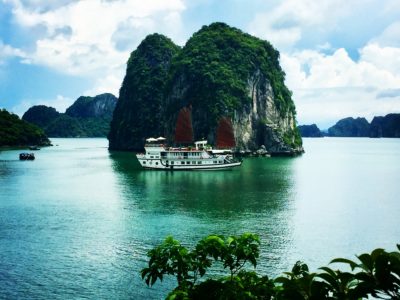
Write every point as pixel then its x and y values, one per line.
pixel 221 72
pixel 140 110
pixel 387 126
pixel 350 127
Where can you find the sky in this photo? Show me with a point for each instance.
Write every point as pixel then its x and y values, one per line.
pixel 341 57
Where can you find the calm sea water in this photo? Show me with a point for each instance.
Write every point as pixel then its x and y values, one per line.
pixel 77 222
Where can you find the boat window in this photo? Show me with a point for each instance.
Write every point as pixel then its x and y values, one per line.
pixel 215 162
pixel 182 162
pixel 144 162
pixel 156 163
pixel 172 162
pixel 193 162
pixel 151 156
pixel 188 162
pixel 199 162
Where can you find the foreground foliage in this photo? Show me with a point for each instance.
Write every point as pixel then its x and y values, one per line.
pixel 375 274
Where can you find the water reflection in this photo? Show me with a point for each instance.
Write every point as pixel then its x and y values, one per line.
pixel 255 198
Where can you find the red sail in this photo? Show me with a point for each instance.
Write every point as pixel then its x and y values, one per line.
pixel 225 136
pixel 184 129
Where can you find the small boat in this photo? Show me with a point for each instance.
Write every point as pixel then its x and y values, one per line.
pixel 34 148
pixel 201 156
pixel 26 156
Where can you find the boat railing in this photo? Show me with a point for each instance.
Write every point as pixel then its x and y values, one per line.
pixel 154 145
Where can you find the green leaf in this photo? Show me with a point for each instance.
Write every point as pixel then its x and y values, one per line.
pixel 329 271
pixel 352 264
pixel 367 263
pixel 329 279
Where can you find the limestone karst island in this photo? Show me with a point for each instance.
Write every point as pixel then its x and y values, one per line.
pixel 199 150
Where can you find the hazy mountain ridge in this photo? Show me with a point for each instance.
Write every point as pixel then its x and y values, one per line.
pixel 86 117
pixel 382 126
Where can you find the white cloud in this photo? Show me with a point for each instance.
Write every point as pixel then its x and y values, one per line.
pixel 377 67
pixel 326 106
pixel 6 51
pixel 109 84
pixel 390 37
pixel 60 103
pixel 284 25
pixel 94 38
pixel 327 88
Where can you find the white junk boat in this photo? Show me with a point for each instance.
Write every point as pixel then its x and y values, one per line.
pixel 199 157
pixel 158 156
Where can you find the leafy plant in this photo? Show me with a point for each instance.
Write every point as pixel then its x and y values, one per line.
pixel 376 275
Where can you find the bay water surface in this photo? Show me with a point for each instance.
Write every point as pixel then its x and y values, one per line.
pixel 78 221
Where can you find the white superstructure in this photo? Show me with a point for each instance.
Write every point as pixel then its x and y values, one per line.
pixel 159 156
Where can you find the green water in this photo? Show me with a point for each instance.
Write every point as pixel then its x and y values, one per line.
pixel 77 222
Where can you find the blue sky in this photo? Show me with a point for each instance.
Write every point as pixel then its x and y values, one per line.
pixel 342 58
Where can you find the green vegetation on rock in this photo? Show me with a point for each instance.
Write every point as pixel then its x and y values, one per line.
pixel 376 274
pixel 220 72
pixel 40 115
pixel 350 127
pixel 65 126
pixel 217 62
pixel 310 131
pixel 140 109
pixel 17 132
pixel 86 117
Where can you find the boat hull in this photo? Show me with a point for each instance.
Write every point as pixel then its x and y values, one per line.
pixel 157 164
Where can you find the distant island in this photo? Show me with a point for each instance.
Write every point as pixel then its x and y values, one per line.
pixel 86 117
pixel 17 132
pixel 387 126
pixel 221 72
pixel 350 127
pixel 310 131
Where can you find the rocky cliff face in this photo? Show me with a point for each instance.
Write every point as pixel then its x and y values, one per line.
pixel 91 107
pixel 387 126
pixel 263 123
pixel 220 72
